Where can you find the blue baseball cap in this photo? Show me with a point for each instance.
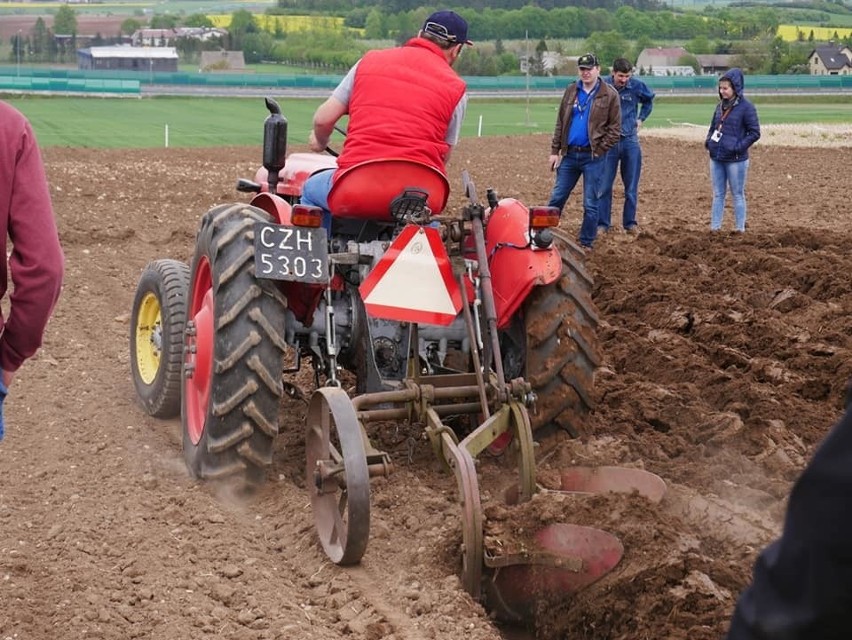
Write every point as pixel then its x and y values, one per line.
pixel 448 26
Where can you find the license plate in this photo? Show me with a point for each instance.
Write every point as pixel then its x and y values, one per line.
pixel 296 254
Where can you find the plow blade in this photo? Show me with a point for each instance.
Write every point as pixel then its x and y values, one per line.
pixel 591 480
pixel 612 480
pixel 562 558
pixel 567 558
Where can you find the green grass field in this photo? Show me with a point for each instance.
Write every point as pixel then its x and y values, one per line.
pixel 209 122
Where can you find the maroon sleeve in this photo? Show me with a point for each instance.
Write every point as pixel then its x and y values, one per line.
pixel 36 262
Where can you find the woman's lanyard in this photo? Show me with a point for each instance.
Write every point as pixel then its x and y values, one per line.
pixel 725 114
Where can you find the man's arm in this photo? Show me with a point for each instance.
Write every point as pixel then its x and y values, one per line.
pixel 558 134
pixel 454 128
pixel 330 111
pixel 612 128
pixel 325 117
pixel 646 100
pixel 36 263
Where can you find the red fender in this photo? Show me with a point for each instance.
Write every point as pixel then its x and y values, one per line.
pixel 298 168
pixel 275 206
pixel 515 267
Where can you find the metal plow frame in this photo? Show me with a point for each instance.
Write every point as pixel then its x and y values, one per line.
pixel 341 459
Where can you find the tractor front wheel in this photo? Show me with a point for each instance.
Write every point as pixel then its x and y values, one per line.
pixel 156 336
pixel 234 352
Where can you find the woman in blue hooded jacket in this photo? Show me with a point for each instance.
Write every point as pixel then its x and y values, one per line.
pixel 733 130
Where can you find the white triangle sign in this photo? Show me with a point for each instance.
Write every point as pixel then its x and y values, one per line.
pixel 413 281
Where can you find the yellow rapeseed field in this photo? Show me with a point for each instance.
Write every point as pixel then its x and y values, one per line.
pixel 288 24
pixel 790 32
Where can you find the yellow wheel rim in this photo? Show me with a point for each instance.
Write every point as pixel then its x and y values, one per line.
pixel 149 338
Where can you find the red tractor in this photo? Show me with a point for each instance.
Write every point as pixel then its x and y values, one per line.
pixel 479 326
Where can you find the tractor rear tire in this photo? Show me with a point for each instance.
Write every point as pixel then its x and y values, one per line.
pixel 553 344
pixel 234 352
pixel 156 336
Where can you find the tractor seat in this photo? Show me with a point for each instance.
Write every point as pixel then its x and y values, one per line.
pixel 366 190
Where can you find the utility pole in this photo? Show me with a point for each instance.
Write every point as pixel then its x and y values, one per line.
pixel 18 50
pixel 529 61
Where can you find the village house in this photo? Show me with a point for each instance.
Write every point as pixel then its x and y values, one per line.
pixel 830 60
pixel 663 61
pixel 715 64
pixel 168 37
pixel 124 58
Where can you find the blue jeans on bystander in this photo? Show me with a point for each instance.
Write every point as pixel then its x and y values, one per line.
pixel 3 393
pixel 723 174
pixel 628 155
pixel 573 165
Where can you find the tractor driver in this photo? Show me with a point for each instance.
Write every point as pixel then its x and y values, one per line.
pixel 405 102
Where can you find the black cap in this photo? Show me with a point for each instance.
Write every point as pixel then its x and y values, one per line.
pixel 587 61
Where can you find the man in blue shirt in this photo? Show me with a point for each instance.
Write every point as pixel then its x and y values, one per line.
pixel 637 101
pixel 587 126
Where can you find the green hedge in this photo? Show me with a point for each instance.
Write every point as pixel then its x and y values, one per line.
pixel 46 79
pixel 65 85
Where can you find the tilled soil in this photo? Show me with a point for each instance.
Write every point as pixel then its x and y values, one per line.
pixel 724 363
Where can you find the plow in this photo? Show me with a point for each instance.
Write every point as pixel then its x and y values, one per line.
pixel 475 326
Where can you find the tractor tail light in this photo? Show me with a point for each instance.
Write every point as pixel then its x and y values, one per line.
pixel 306 216
pixel 544 217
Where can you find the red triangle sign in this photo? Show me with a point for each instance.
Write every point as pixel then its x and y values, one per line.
pixel 413 281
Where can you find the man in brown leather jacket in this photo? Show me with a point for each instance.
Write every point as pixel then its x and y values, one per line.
pixel 588 124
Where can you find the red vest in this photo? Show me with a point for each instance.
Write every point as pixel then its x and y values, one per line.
pixel 401 105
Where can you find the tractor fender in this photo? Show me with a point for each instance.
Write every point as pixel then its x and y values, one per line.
pixel 277 207
pixel 516 266
pixel 298 168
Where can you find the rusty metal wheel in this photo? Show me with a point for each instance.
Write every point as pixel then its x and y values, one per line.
pixel 462 465
pixel 337 476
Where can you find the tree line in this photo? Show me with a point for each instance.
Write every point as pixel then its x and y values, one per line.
pixel 504 36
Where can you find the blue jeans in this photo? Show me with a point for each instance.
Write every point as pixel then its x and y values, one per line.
pixel 3 393
pixel 628 154
pixel 316 188
pixel 573 166
pixel 723 174
pixel 315 193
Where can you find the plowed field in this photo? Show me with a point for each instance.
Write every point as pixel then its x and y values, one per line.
pixel 724 363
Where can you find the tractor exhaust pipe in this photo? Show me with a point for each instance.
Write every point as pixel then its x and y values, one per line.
pixel 274 142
